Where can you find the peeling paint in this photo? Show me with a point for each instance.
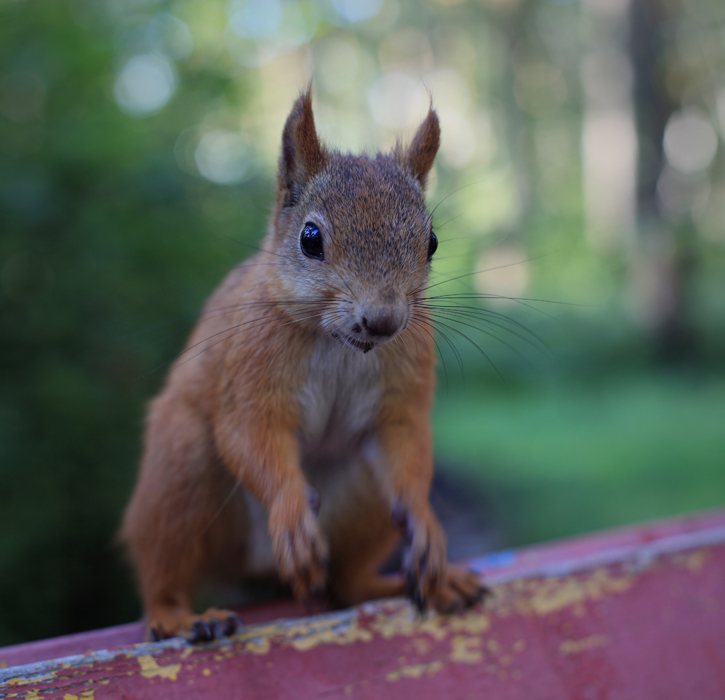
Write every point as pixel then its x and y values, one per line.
pixel 693 561
pixel 349 634
pixel 151 669
pixel 466 650
pixel 415 671
pixel 27 681
pixel 261 646
pixel 576 646
pixel 550 595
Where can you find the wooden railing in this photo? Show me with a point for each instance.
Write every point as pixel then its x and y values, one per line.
pixel 636 613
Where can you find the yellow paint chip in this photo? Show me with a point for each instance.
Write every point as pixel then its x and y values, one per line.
pixel 551 595
pixel 352 633
pixel 422 645
pixel 27 681
pixel 471 622
pixel 151 669
pixel 466 650
pixel 415 671
pixel 576 646
pixel 693 561
pixel 206 672
pixel 259 646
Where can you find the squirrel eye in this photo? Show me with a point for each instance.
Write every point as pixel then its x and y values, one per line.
pixel 311 241
pixel 432 245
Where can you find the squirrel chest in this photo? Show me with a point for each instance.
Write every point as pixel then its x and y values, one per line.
pixel 338 401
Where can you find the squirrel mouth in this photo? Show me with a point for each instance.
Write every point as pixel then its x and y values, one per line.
pixel 352 343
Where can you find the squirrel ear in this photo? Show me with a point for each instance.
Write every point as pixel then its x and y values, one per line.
pixel 419 156
pixel 302 155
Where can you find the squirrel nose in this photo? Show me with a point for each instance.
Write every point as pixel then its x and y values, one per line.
pixel 382 323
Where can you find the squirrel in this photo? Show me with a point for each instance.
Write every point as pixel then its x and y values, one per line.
pixel 294 434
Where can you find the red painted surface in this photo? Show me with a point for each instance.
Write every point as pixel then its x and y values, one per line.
pixel 624 615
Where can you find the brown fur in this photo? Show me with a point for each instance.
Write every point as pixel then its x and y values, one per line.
pixel 275 394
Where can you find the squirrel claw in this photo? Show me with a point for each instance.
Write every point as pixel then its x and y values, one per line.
pixel 200 632
pixel 231 625
pixel 415 594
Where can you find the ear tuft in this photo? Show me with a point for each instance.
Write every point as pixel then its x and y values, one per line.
pixel 419 156
pixel 302 155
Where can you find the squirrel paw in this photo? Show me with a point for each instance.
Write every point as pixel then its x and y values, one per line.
pixel 461 590
pixel 176 622
pixel 300 550
pixel 424 560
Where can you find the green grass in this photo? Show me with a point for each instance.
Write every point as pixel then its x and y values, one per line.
pixel 557 461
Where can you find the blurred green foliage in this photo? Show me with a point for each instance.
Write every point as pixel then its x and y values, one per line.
pixel 123 203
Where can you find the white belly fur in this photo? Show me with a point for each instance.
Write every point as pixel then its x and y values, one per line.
pixel 339 402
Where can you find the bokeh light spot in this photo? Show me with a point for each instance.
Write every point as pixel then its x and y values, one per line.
pixel 223 157
pixel 503 273
pixel 169 35
pixel 721 110
pixel 397 100
pixel 690 141
pixel 255 19
pixel 337 63
pixel 144 85
pixel 357 10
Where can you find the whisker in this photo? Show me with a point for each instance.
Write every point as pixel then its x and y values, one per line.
pixel 436 323
pixel 472 295
pixel 282 325
pixel 454 349
pixel 463 187
pixel 220 311
pixel 226 500
pixel 487 332
pixel 226 330
pixel 418 324
pixel 490 269
pixel 476 313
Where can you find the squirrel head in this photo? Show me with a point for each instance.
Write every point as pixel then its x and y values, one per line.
pixel 352 231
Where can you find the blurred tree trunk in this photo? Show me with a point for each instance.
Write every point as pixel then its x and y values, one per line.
pixel 663 267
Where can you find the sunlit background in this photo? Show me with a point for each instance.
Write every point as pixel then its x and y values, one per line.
pixel 580 190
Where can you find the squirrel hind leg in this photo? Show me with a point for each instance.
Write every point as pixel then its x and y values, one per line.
pixel 355 576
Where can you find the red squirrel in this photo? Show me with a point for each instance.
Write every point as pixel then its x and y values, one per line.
pixel 307 382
